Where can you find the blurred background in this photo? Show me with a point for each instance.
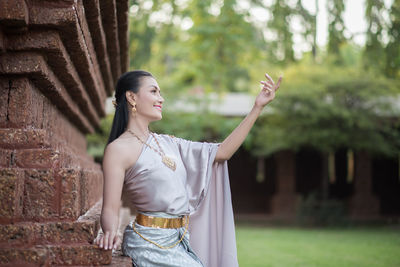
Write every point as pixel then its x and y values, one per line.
pixel 325 152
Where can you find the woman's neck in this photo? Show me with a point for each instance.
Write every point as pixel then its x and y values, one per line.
pixel 139 127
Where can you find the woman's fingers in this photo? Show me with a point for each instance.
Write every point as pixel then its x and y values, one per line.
pixel 267 83
pixel 269 78
pixel 117 242
pixel 278 83
pixel 270 83
pixel 110 241
pixel 267 87
pixel 107 241
pixel 100 241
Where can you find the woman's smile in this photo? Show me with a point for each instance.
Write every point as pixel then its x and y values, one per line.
pixel 159 107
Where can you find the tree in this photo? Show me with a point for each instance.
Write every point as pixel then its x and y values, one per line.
pixel 141 35
pixel 282 45
pixel 219 46
pixel 336 28
pixel 374 56
pixel 309 23
pixel 328 108
pixel 393 48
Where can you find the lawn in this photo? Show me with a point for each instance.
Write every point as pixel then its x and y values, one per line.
pixel 280 246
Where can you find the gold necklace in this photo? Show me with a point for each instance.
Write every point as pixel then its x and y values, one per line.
pixel 170 163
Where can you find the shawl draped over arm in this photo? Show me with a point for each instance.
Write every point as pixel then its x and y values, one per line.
pixel 212 228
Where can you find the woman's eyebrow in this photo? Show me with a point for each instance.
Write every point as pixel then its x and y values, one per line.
pixel 154 86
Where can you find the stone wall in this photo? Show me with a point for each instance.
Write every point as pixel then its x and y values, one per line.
pixel 59 61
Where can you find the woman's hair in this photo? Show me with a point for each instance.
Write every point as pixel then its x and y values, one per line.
pixel 129 81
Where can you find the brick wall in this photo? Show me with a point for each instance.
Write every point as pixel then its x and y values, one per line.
pixel 59 61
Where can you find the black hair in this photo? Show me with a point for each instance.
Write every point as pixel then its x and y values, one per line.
pixel 129 81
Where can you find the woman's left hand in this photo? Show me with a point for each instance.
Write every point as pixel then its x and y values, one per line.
pixel 268 90
pixel 110 241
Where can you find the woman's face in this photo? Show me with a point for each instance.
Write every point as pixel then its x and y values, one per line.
pixel 149 100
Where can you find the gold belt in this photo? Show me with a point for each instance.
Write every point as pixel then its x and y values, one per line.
pixel 159 222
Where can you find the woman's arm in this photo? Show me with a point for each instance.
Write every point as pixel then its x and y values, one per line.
pixel 229 146
pixel 112 189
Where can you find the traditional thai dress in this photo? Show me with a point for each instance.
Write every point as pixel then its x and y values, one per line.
pixel 199 188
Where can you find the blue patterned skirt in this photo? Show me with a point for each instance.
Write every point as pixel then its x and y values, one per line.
pixel 146 254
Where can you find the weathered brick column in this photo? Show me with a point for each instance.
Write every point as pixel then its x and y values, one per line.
pixel 363 204
pixel 284 202
pixel 59 60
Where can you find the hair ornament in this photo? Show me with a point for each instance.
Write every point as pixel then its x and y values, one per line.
pixel 114 103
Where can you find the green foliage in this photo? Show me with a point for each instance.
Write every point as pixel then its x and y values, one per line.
pixel 314 212
pixel 327 108
pixel 282 47
pixel 202 126
pixel 374 56
pixel 338 99
pixel 211 42
pixel 214 53
pixel 392 68
pixel 336 26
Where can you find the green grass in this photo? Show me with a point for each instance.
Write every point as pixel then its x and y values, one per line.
pixel 278 246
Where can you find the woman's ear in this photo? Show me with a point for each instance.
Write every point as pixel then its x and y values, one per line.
pixel 130 96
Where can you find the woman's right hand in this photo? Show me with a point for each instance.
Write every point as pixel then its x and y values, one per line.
pixel 107 240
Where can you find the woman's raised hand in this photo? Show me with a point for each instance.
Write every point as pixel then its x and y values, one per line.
pixel 268 90
pixel 107 240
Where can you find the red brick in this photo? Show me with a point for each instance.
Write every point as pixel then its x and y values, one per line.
pixel 17 235
pixel 10 193
pixel 111 30
pixel 93 17
pixel 4 95
pixel 60 62
pixel 123 33
pixel 5 157
pixel 40 158
pixel 69 195
pixel 79 255
pixel 93 215
pixel 64 19
pixel 25 234
pixel 36 256
pixel 2 46
pixel 91 189
pixel 25 104
pixel 120 260
pixel 19 107
pixel 40 195
pixel 23 138
pixel 95 48
pixel 67 232
pixel 13 13
pixel 34 65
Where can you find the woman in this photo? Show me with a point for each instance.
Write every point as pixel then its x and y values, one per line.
pixel 178 186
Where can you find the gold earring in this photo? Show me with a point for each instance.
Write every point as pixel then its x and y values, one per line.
pixel 134 108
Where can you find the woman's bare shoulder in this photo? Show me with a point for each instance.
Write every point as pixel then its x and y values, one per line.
pixel 123 152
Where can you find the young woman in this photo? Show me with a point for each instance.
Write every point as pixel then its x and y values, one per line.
pixel 177 186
